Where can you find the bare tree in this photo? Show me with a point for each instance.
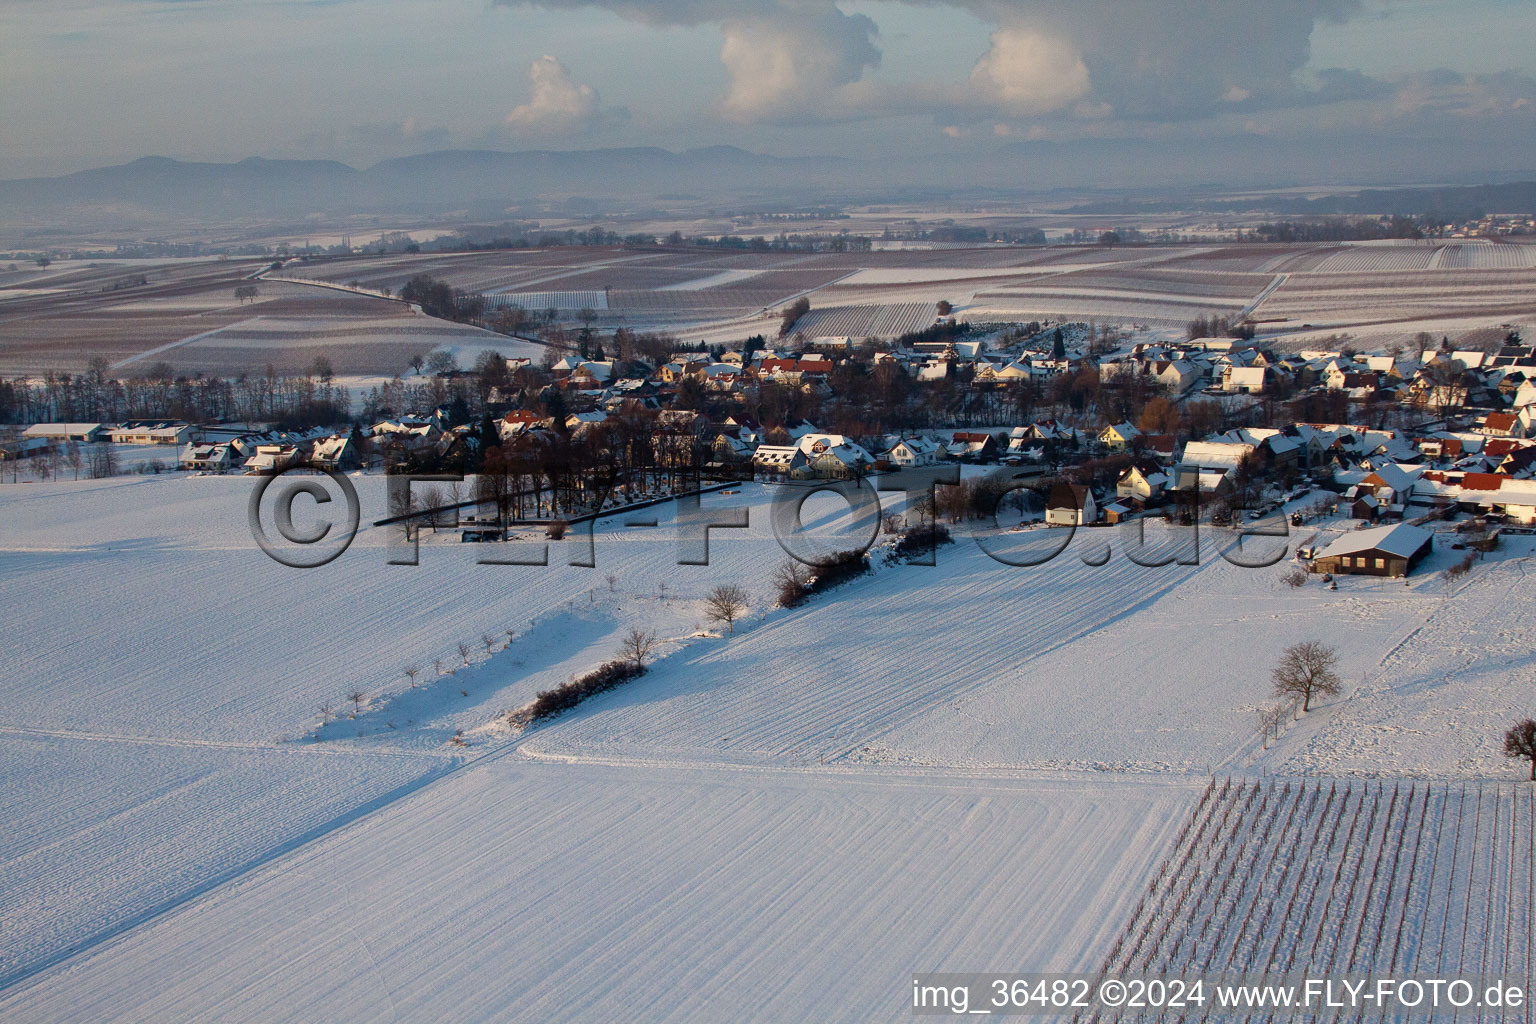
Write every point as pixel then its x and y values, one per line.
pixel 432 501
pixel 792 580
pixel 411 672
pixel 1270 717
pixel 1296 577
pixel 612 580
pixel 637 646
pixel 726 603
pixel 437 666
pixel 489 639
pixel 1306 671
pixel 326 711
pixel 356 697
pixel 1520 741
pixel 464 652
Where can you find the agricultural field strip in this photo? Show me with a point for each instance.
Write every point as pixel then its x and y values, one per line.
pixel 560 875
pixel 1316 876
pixel 105 833
pixel 714 699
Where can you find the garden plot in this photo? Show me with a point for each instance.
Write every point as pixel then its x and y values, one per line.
pixel 527 891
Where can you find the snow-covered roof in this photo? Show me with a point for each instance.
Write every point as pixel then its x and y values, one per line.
pixel 1401 540
pixel 775 454
pixel 1215 454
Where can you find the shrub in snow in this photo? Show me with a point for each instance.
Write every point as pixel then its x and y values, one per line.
pixel 840 568
pixel 921 539
pixel 568 695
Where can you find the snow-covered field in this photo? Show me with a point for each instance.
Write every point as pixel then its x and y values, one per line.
pixel 525 891
pixel 964 766
pixel 1438 703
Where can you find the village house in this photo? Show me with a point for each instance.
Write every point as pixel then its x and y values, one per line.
pixel 273 458
pixel 208 458
pixel 1070 505
pixel 1500 424
pixel 835 457
pixel 777 462
pixel 1118 436
pixel 1143 481
pixel 913 451
pixel 1216 455
pixel 1248 380
pixel 972 446
pixel 336 453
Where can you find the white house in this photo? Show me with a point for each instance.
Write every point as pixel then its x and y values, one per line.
pixel 208 458
pixel 913 451
pixel 1245 379
pixel 1070 505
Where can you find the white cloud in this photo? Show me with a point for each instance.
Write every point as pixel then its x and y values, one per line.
pixel 794 65
pixel 1026 72
pixel 560 105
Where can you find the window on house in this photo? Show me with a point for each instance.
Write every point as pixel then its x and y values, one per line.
pixel 1381 563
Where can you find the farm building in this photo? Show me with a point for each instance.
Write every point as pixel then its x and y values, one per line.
pixel 1382 551
pixel 151 432
pixel 1070 505
pixel 65 431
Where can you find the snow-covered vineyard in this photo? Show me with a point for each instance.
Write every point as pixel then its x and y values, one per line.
pixel 1328 878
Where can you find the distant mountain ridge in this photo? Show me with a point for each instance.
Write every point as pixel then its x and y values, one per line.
pixel 1451 202
pixel 482 182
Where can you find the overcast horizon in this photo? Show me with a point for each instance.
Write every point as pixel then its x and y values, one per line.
pixel 1150 92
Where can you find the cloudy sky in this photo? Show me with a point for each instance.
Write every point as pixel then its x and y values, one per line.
pixel 1422 90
